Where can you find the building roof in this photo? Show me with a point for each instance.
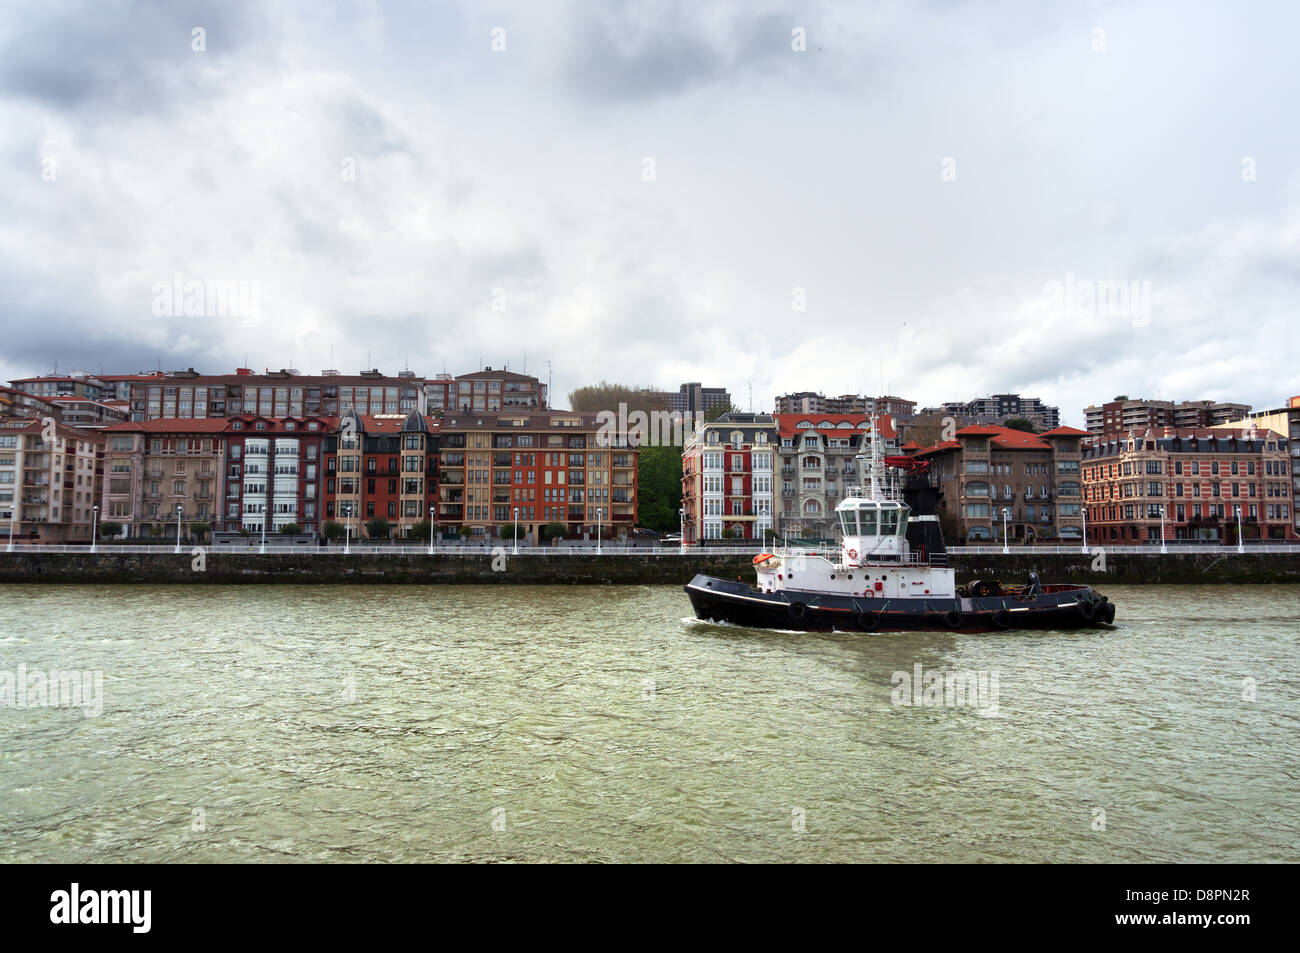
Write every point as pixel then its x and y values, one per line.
pixel 415 423
pixel 1064 432
pixel 489 374
pixel 29 425
pixel 170 425
pixel 788 424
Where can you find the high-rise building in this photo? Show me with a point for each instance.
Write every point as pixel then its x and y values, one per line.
pixel 999 408
pixel 486 390
pixel 808 402
pixel 1122 416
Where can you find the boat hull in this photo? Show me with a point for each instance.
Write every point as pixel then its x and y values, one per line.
pixel 1058 607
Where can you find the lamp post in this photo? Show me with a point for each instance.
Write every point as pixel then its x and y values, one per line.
pixel 178 527
pixel 598 531
pixel 262 549
pixel 1084 510
pixel 13 515
pixel 1163 548
pixel 681 535
pixel 516 552
pixel 431 509
pixel 1006 543
pixel 94 526
pixel 1241 543
pixel 347 529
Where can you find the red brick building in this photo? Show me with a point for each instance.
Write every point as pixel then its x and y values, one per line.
pixel 273 468
pixel 384 467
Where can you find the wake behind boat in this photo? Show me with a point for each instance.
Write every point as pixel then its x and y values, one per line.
pixel 890 573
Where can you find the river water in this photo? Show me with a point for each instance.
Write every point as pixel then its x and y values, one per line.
pixel 476 723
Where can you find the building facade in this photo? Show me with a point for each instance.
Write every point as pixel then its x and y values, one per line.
pixel 808 402
pixel 997 481
pixel 161 472
pixel 286 393
pixel 818 460
pixel 486 391
pixel 382 468
pixel 274 473
pixel 728 478
pixel 50 475
pixel 999 408
pixel 1190 484
pixel 1121 416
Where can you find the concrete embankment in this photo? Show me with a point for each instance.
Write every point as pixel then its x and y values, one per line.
pixel 376 568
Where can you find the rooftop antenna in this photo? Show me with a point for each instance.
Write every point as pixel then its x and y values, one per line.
pixel 548 385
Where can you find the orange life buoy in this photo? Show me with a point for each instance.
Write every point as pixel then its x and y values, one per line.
pixel 853 554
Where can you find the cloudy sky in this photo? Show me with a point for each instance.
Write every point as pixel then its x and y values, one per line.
pixel 915 197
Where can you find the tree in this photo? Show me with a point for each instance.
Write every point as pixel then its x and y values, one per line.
pixel 1020 423
pixel 110 529
pixel 378 528
pixel 594 398
pixel 554 531
pixel 507 531
pixel 333 530
pixel 718 409
pixel 199 530
pixel 290 529
pixel 730 533
pixel 659 487
pixel 421 529
pixel 244 531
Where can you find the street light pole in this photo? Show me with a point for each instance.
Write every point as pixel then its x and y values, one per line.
pixel 1163 548
pixel 1241 543
pixel 598 531
pixel 516 531
pixel 94 526
pixel 681 534
pixel 431 530
pixel 13 515
pixel 1006 543
pixel 178 527
pixel 262 549
pixel 347 531
pixel 1084 510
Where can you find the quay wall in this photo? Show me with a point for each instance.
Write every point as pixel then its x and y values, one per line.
pixel 623 569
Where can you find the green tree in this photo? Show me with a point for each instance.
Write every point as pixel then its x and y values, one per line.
pixel 378 528
pixel 421 529
pixel 109 529
pixel 199 530
pixel 659 487
pixel 1020 423
pixel 718 409
pixel 290 529
pixel 333 530
pixel 554 531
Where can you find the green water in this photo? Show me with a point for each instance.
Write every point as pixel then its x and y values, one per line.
pixel 602 724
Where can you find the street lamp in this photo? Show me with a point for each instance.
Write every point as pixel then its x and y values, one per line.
pixel 681 535
pixel 1163 548
pixel 598 531
pixel 347 528
pixel 13 515
pixel 94 526
pixel 1241 543
pixel 431 509
pixel 262 549
pixel 179 509
pixel 1084 510
pixel 517 530
pixel 1006 543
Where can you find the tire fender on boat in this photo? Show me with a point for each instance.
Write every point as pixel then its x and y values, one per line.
pixel 952 618
pixel 797 610
pixel 1001 619
pixel 867 621
pixel 1087 611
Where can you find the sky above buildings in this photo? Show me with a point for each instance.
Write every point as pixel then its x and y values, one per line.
pixel 938 200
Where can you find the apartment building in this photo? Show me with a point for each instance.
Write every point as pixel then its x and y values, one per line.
pixel 1121 416
pixel 487 390
pixel 86 413
pixel 286 393
pixel 818 461
pixel 999 408
pixel 49 480
pixel 997 481
pixel 538 468
pixel 63 385
pixel 161 472
pixel 1190 484
pixel 18 403
pixel 273 475
pixel 691 398
pixel 808 402
pixel 382 467
pixel 728 478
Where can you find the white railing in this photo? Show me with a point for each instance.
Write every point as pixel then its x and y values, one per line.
pixel 611 549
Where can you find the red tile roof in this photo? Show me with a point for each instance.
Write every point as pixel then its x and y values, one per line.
pixel 171 425
pixel 788 424
pixel 1064 432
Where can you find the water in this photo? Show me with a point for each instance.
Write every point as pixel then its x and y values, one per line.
pixel 602 724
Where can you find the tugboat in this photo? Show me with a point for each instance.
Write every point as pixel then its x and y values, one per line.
pixel 891 573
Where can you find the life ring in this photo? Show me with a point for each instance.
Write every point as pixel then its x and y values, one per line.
pixel 1087 611
pixel 797 610
pixel 1001 619
pixel 853 554
pixel 867 621
pixel 952 618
